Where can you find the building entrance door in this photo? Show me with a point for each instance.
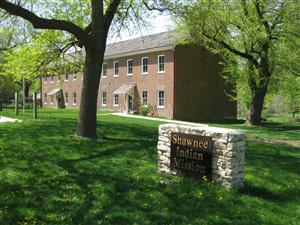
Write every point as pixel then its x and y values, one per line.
pixel 130 105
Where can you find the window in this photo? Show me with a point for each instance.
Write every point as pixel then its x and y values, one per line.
pixel 129 67
pixel 144 65
pixel 45 79
pixel 104 98
pixel 74 98
pixel 161 63
pixel 144 97
pixel 58 78
pixel 104 70
pixel 66 98
pixel 51 100
pixel 45 99
pixel 74 76
pixel 116 68
pixel 66 77
pixel 52 79
pixel 161 99
pixel 116 100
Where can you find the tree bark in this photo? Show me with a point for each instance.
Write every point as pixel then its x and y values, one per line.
pixel 256 105
pixel 87 121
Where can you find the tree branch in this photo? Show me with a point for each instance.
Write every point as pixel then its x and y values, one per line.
pixel 110 13
pixel 43 23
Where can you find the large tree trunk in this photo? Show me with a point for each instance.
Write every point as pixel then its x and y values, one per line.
pixel 256 105
pixel 87 122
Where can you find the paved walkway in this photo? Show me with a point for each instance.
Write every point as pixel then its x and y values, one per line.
pixel 158 119
pixel 7 119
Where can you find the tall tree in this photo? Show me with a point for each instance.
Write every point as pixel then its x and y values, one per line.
pixel 246 33
pixel 90 27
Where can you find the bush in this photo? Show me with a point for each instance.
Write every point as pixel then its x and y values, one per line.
pixel 144 109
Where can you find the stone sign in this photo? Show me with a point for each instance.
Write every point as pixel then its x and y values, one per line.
pixel 191 154
pixel 207 153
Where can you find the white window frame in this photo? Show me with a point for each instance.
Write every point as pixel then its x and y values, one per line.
pixel 102 74
pixel 67 98
pixel 66 76
pixel 114 100
pixel 142 65
pixel 142 97
pixel 158 98
pixel 115 62
pixel 74 79
pixel 158 64
pixel 127 68
pixel 51 100
pixel 102 104
pixel 74 103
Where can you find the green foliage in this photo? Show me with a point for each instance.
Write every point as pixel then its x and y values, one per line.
pixel 7 87
pixel 48 176
pixel 237 30
pixel 144 109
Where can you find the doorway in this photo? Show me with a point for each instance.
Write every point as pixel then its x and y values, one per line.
pixel 129 104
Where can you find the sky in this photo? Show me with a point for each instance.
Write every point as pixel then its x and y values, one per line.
pixel 160 23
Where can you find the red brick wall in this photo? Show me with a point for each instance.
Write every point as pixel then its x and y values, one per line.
pixel 200 92
pixel 151 82
pixel 69 87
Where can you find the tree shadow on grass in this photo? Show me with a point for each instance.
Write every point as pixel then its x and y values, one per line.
pixel 52 177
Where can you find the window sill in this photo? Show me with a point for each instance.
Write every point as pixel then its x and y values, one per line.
pixel 144 73
pixel 160 107
pixel 103 105
pixel 116 75
pixel 130 75
pixel 161 72
pixel 74 103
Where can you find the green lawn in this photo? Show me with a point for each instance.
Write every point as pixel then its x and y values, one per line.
pixel 47 176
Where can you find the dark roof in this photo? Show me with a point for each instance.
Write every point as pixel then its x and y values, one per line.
pixel 158 40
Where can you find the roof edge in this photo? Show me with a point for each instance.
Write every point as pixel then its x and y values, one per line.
pixel 139 52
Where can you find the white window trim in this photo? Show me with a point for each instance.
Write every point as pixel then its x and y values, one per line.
pixel 142 65
pixel 142 97
pixel 102 75
pixel 73 77
pixel 158 64
pixel 114 100
pixel 67 103
pixel 66 79
pixel 116 75
pixel 74 103
pixel 162 106
pixel 102 99
pixel 129 74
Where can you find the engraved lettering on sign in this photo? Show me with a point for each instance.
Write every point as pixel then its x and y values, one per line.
pixel 191 154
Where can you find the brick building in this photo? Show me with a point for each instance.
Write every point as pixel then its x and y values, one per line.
pixel 178 81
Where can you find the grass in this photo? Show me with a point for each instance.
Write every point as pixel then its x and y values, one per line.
pixel 47 176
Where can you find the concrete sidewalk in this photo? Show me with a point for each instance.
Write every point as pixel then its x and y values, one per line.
pixel 8 120
pixel 159 119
